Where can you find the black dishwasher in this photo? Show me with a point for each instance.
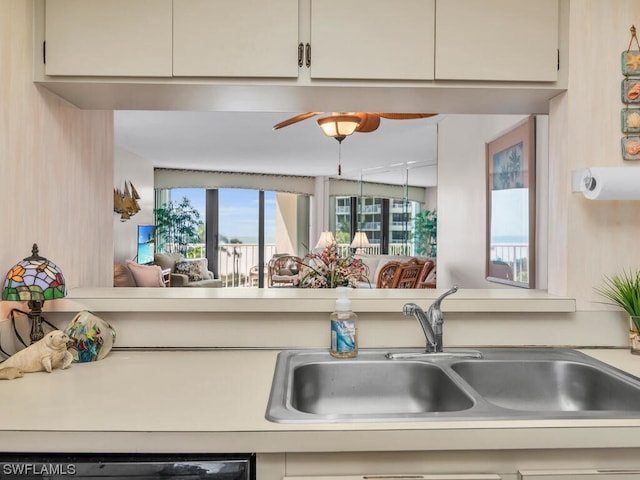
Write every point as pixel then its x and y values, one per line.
pixel 127 466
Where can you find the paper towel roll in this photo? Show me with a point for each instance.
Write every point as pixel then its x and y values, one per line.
pixel 612 183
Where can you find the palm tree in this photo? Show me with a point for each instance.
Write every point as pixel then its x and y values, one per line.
pixel 234 252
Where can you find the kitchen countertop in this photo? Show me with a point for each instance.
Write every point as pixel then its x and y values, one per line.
pixel 215 400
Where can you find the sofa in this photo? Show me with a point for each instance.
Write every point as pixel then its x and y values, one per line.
pixel 187 272
pixel 376 263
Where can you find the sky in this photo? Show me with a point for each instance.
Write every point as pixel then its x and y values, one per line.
pixel 238 211
pixel 510 215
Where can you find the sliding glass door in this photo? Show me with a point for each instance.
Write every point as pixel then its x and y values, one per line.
pixel 236 230
pixel 246 232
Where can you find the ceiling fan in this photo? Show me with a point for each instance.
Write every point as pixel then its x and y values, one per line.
pixel 339 125
pixel 362 122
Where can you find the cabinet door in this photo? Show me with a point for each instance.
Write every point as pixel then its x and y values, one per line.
pixel 443 476
pixel 372 39
pixel 235 38
pixel 108 37
pixel 497 40
pixel 580 474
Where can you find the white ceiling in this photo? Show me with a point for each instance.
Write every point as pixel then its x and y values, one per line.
pixel 246 142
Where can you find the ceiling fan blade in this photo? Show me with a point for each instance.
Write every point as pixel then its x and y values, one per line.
pixel 406 116
pixel 368 122
pixel 296 119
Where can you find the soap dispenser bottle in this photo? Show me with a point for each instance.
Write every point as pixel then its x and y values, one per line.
pixel 344 332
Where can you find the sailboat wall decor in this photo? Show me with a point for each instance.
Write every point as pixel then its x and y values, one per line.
pixel 125 202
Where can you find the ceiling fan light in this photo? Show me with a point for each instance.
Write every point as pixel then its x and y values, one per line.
pixel 339 125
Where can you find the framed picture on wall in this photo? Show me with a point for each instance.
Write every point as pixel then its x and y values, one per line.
pixel 511 201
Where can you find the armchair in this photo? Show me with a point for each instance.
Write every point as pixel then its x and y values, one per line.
pixel 284 269
pixel 409 273
pixel 426 280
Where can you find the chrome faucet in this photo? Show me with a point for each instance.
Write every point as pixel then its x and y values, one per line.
pixel 431 322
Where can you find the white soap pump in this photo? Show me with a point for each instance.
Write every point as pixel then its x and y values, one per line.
pixel 344 331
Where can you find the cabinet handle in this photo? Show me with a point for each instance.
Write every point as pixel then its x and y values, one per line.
pixel 300 54
pixel 308 55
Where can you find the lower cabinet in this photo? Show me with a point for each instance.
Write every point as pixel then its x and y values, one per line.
pixel 446 476
pixel 612 474
pixel 551 464
pixel 564 474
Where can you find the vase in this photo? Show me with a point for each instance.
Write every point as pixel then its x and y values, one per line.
pixel 92 337
pixel 634 335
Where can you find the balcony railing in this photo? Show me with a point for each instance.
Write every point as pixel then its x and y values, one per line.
pixel 238 262
pixel 370 226
pixel 401 224
pixel 514 255
pixel 370 209
pixel 394 249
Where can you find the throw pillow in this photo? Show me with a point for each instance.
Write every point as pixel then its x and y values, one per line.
pixel 122 276
pixel 192 268
pixel 146 275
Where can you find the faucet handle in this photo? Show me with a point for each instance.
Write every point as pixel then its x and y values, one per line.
pixel 409 308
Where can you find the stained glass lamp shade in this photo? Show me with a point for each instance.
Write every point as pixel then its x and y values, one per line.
pixel 34 280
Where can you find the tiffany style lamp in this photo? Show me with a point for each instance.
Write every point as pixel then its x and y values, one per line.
pixel 34 280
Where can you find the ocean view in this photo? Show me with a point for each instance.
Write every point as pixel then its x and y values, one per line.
pixel 509 239
pixel 238 212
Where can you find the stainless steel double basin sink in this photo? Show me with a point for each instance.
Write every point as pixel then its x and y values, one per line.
pixel 310 386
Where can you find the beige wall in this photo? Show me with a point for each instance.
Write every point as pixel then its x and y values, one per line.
pixel 287 223
pixel 461 197
pixel 590 239
pixel 586 239
pixel 462 203
pixel 44 141
pixel 139 171
pixel 56 166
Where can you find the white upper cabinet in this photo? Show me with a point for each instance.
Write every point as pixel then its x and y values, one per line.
pixel 108 37
pixel 367 40
pixel 235 38
pixel 372 39
pixel 503 40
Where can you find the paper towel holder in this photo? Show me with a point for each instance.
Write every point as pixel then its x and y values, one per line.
pixel 583 181
pixel 607 183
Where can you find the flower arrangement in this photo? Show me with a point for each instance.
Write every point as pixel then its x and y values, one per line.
pixel 623 290
pixel 328 270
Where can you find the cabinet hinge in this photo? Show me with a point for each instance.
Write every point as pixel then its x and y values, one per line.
pixel 44 52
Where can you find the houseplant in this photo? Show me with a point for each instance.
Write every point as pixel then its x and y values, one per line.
pixel 425 232
pixel 328 270
pixel 623 290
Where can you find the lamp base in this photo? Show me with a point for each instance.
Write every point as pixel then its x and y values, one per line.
pixel 35 315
